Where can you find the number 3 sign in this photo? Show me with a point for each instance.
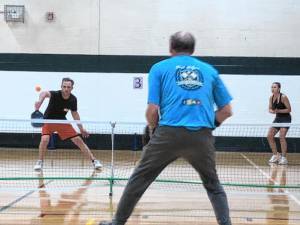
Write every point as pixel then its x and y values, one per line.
pixel 138 83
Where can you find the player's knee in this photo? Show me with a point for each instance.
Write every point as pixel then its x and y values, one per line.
pixel 282 137
pixel 77 141
pixel 213 187
pixel 270 137
pixel 45 140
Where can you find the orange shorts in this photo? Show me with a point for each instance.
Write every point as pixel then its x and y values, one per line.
pixel 65 131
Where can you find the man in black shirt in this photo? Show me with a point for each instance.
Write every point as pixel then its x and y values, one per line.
pixel 60 103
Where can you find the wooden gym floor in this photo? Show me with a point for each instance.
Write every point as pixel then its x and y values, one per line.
pixel 71 198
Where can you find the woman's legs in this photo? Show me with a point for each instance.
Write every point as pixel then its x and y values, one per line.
pixel 283 144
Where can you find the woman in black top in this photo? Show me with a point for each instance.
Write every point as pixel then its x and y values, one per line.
pixel 279 104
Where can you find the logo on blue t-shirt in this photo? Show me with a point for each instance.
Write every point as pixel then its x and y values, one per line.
pixel 189 77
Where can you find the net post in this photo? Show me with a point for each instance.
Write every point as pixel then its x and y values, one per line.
pixel 111 180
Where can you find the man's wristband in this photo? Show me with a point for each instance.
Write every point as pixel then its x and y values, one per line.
pixel 217 123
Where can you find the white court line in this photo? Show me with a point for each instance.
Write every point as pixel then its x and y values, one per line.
pixel 268 177
pixel 52 189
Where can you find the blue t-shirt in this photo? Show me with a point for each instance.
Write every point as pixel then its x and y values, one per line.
pixel 186 91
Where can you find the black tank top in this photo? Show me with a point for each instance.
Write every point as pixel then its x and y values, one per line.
pixel 279 105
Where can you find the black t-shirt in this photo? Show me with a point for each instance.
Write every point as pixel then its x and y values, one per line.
pixel 58 107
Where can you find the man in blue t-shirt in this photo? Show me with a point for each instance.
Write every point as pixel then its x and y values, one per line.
pixel 183 92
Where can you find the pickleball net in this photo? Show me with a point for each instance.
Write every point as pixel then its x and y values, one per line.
pixel 242 157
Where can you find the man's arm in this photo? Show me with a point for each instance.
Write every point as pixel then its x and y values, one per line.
pixel 152 115
pixel 223 113
pixel 76 116
pixel 42 96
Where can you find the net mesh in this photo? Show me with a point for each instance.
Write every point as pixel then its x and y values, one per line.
pixel 242 158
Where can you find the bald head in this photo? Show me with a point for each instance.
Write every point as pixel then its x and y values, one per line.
pixel 182 42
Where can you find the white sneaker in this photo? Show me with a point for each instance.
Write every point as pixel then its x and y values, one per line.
pixel 97 164
pixel 274 159
pixel 282 161
pixel 39 165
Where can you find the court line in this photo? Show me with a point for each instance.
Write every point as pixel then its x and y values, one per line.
pixel 53 189
pixel 16 201
pixel 268 177
pixel 20 198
